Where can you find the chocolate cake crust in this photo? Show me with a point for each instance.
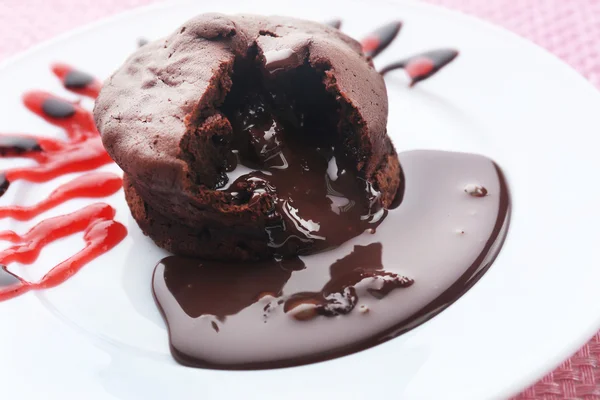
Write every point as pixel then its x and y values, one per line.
pixel 160 114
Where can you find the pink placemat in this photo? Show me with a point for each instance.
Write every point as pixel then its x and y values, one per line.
pixel 568 28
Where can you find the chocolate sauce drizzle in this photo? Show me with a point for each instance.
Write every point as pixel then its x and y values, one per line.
pixel 378 40
pixel 418 67
pixel 422 66
pixel 4 184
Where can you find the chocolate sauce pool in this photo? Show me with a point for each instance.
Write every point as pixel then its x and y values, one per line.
pixel 426 253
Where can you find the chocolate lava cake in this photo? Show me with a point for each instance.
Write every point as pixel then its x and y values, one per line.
pixel 247 137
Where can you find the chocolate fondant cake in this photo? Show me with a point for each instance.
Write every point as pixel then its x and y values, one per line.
pixel 244 137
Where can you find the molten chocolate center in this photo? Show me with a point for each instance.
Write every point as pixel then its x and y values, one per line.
pixel 285 133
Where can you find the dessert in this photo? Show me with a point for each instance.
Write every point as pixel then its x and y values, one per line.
pixel 82 151
pixel 405 243
pixel 295 101
pixel 263 140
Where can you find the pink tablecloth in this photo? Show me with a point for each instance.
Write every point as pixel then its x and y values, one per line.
pixel 568 28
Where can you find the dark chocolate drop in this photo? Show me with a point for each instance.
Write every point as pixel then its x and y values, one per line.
pixel 58 108
pixel 17 145
pixel 422 66
pixel 4 184
pixel 381 38
pixel 77 80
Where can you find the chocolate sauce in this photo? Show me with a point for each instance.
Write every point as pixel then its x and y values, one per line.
pixel 57 108
pixel 76 79
pixel 4 184
pixel 17 145
pixel 475 190
pixel 339 295
pixel 203 289
pixel 422 66
pixel 427 252
pixel 378 40
pixel 312 199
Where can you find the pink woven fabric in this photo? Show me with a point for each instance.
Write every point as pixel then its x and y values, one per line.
pixel 568 28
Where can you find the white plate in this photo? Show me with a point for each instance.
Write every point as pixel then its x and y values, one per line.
pixel 100 335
